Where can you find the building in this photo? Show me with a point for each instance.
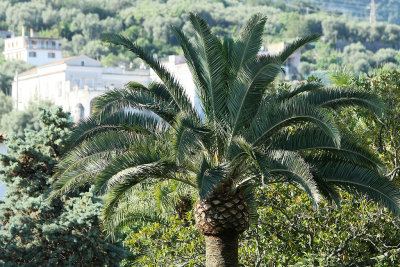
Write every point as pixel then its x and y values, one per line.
pixel 32 49
pixel 6 34
pixel 71 83
pixel 291 63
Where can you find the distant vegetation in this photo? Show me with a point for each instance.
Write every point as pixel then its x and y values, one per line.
pixel 79 23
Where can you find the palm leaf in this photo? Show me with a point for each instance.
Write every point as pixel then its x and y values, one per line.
pixel 127 99
pixel 209 178
pixel 374 185
pixel 249 89
pixel 313 139
pixel 117 180
pixel 249 42
pixel 275 118
pixel 291 166
pixel 175 89
pixel 296 45
pixel 308 87
pixel 344 97
pixel 212 68
pixel 124 121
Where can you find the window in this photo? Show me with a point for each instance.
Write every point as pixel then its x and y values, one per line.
pixel 51 55
pixel 33 42
pixel 77 82
pixel 53 43
pixel 32 54
pixel 82 63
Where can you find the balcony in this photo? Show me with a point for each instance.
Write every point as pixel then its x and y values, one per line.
pixel 44 46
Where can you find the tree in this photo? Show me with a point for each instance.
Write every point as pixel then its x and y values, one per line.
pixel 382 133
pixel 288 233
pixel 251 135
pixel 34 232
pixel 16 122
pixel 7 72
pixel 5 105
pixel 385 55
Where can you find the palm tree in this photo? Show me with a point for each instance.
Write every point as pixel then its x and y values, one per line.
pixel 251 135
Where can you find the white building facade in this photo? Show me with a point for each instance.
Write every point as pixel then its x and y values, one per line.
pixel 71 83
pixel 31 49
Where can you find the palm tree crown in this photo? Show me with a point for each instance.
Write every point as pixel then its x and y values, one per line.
pixel 251 134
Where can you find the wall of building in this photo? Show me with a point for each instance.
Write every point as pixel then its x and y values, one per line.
pixel 34 50
pixel 72 84
pixel 41 56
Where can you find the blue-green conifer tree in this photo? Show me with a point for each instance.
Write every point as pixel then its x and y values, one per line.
pixel 36 232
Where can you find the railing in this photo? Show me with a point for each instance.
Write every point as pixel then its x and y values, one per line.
pixel 50 47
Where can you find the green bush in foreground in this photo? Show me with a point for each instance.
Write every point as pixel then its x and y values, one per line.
pixel 288 232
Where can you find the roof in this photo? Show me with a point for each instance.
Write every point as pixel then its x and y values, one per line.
pixel 60 61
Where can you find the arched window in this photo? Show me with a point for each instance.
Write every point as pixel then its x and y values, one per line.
pixel 79 112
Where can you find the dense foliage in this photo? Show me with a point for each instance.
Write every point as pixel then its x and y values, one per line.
pixel 79 24
pixel 15 122
pixel 382 133
pixel 35 232
pixel 288 232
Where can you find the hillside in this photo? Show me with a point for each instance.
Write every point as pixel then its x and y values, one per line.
pixel 79 24
pixel 386 10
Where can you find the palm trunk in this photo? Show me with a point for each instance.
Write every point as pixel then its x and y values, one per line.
pixel 222 251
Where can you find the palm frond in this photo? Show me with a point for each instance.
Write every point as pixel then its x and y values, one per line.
pixel 249 89
pixel 249 42
pixel 291 166
pixel 308 87
pixel 367 181
pixel 276 117
pixel 143 163
pixel 192 59
pixel 296 45
pixel 190 139
pixel 175 89
pixel 77 178
pixel 249 196
pixel 127 99
pixel 137 207
pixel 124 121
pixel 208 178
pixel 102 146
pixel 117 180
pixel 335 97
pixel 212 69
pixel 314 140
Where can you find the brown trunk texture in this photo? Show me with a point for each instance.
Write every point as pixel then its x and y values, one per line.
pixel 222 251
